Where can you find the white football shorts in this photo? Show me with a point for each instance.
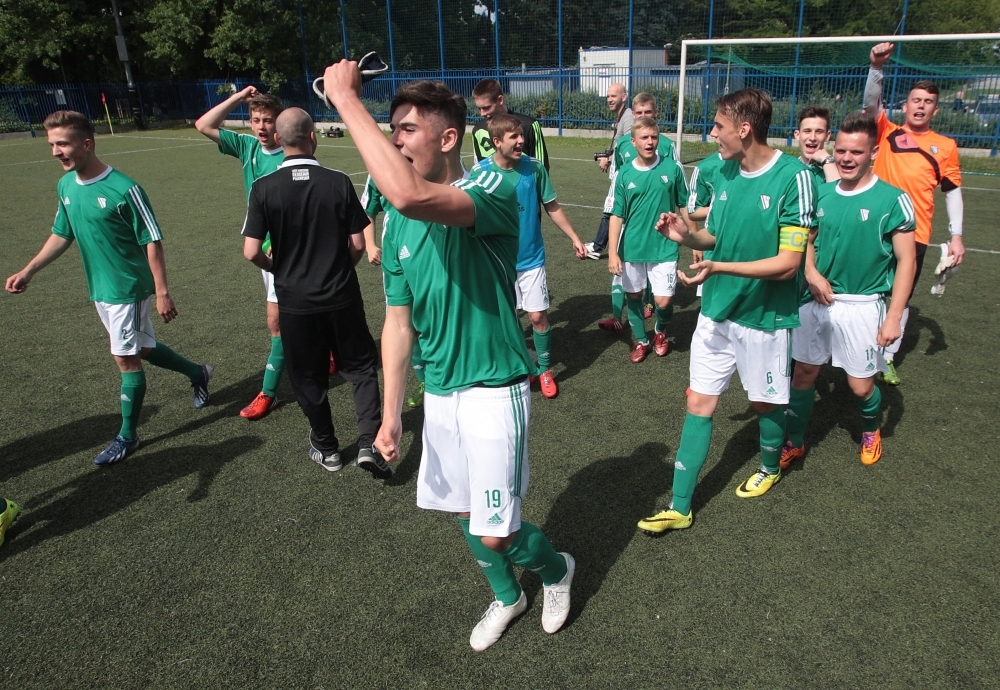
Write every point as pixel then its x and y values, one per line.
pixel 847 331
pixel 532 290
pixel 129 325
pixel 662 277
pixel 762 359
pixel 269 286
pixel 475 457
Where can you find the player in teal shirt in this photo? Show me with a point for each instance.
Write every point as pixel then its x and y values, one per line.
pixel 109 217
pixel 534 192
pixel 259 154
pixel 449 262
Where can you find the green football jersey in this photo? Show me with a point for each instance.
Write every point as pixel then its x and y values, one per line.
pixel 853 244
pixel 753 216
pixel 372 199
pixel 111 220
pixel 703 181
pixel 625 151
pixel 817 170
pixel 641 195
pixel 459 283
pixel 256 160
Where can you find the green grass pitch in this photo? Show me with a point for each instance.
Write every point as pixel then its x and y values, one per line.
pixel 220 556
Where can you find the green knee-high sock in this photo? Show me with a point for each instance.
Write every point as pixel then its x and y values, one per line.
pixel 542 344
pixel 133 391
pixel 162 356
pixel 635 319
pixel 800 407
pixel 617 300
pixel 772 436
pixel 871 410
pixel 496 566
pixel 275 365
pixel 532 550
pixel 647 294
pixel 696 437
pixel 663 315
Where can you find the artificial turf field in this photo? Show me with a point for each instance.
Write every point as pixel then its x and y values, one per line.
pixel 220 556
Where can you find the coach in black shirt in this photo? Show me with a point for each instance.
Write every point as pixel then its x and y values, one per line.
pixel 316 224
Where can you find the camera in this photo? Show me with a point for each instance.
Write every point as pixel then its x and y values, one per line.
pixel 606 153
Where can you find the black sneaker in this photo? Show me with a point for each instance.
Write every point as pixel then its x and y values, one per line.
pixel 329 461
pixel 119 449
pixel 201 387
pixel 370 460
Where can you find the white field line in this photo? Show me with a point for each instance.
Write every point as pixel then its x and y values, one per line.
pixel 112 153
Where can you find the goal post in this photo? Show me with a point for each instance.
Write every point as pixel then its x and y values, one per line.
pixel 981 117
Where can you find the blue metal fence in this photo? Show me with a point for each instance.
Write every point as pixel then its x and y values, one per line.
pixel 564 98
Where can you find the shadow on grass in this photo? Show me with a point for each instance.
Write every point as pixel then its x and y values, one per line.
pixel 911 338
pixel 575 343
pixel 102 492
pixel 594 517
pixel 51 445
pixel 406 467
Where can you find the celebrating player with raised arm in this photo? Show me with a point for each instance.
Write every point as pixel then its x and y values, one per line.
pixel 640 255
pixel 534 192
pixel 110 218
pixel 757 230
pixel 917 160
pixel 449 263
pixel 862 248
pixel 260 154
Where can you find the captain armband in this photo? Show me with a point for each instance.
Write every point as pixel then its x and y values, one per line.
pixel 793 239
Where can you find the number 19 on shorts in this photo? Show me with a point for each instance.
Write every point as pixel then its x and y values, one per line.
pixel 494 499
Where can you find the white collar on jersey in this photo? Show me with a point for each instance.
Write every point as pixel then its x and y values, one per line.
pixel 635 163
pixel 860 190
pixel 764 170
pixel 107 171
pixel 287 163
pixel 272 152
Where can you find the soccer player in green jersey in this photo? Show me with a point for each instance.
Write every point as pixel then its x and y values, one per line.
pixel 643 105
pixel 534 192
pixel 109 217
pixel 640 255
pixel 449 263
pixel 259 154
pixel 812 134
pixel 757 229
pixel 862 248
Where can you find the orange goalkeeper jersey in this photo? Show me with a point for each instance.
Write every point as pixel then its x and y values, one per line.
pixel 917 163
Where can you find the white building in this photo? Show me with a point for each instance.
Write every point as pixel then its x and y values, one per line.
pixel 601 66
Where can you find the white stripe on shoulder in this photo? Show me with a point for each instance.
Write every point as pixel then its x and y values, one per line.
pixel 147 215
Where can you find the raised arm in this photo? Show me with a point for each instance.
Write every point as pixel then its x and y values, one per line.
pixel 395 177
pixel 209 123
pixel 873 86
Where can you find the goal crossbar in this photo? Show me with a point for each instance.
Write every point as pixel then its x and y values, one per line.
pixel 792 40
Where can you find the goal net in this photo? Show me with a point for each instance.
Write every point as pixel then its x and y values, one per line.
pixel 832 71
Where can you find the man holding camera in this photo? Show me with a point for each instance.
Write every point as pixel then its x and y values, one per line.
pixel 618 104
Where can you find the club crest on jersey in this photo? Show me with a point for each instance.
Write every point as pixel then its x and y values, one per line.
pixel 934 149
pixel 102 202
pixel 666 180
pixel 404 253
pixel 863 214
pixel 765 202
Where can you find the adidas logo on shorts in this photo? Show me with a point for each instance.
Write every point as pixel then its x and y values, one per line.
pixel 770 391
pixel 870 367
pixel 495 520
